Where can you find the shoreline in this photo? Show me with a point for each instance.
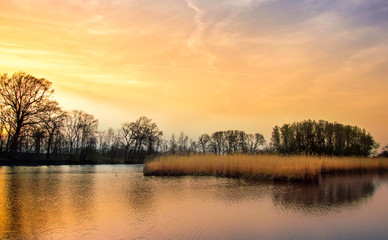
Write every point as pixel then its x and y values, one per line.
pixel 32 162
pixel 64 164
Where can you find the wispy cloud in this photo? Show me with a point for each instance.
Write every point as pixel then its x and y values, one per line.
pixel 194 42
pixel 186 69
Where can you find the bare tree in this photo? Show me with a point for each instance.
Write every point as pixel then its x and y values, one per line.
pixel 52 122
pixel 72 130
pixel 173 144
pixel 38 135
pixel 88 125
pixel 81 132
pixel 254 141
pixel 183 144
pixel 145 135
pixel 163 145
pixel 153 137
pixel 3 132
pixel 193 149
pixel 218 140
pixel 128 138
pixel 101 142
pixel 24 98
pixel 113 140
pixel 203 142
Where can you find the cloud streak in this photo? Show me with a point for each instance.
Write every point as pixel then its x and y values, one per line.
pixel 194 41
pixel 186 69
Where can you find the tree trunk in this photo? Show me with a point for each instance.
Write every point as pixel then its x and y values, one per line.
pixel 15 140
pixel 49 143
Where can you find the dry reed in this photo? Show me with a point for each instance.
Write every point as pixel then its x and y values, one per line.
pixel 293 168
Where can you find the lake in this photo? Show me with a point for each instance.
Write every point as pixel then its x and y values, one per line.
pixel 118 202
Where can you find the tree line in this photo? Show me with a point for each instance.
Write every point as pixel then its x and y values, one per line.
pixel 33 123
pixel 322 138
pixel 220 143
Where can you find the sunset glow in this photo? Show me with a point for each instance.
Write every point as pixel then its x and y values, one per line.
pixel 201 66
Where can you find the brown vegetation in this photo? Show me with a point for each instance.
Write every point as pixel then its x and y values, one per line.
pixel 273 167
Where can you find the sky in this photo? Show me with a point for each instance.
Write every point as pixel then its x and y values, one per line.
pixel 200 66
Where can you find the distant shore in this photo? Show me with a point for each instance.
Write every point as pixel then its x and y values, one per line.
pixel 47 163
pixel 42 160
pixel 263 167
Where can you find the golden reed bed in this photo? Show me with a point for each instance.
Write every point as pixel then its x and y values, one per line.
pixel 273 167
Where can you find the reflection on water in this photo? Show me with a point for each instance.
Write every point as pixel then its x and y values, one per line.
pixel 118 202
pixel 37 201
pixel 334 193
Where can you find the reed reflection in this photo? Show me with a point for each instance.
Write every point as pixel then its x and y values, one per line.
pixel 332 194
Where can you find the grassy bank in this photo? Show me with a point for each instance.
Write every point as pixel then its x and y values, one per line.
pixel 272 167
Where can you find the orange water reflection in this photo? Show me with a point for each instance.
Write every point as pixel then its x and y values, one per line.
pixel 118 202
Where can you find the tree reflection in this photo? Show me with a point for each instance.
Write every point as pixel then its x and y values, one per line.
pixel 11 207
pixel 31 201
pixel 331 194
pixel 36 201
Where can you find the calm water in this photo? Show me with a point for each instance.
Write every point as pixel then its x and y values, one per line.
pixel 118 202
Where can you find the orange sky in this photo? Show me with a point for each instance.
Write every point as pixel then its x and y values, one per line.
pixel 201 66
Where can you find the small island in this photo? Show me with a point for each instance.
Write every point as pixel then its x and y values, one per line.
pixel 299 152
pixel 309 169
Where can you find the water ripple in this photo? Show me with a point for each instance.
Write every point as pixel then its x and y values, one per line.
pixel 118 202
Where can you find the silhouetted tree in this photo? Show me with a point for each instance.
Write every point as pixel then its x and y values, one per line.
pixel 113 140
pixel 183 144
pixel 254 141
pixel 193 149
pixel 81 133
pixel 173 145
pixel 128 138
pixel 232 140
pixel 24 99
pixel 203 142
pixel 229 142
pixel 38 134
pixel 322 138
pixel 276 140
pixel 384 152
pixel 52 122
pixel 163 145
pixel 146 135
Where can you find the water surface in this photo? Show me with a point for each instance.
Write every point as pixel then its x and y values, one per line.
pixel 118 202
